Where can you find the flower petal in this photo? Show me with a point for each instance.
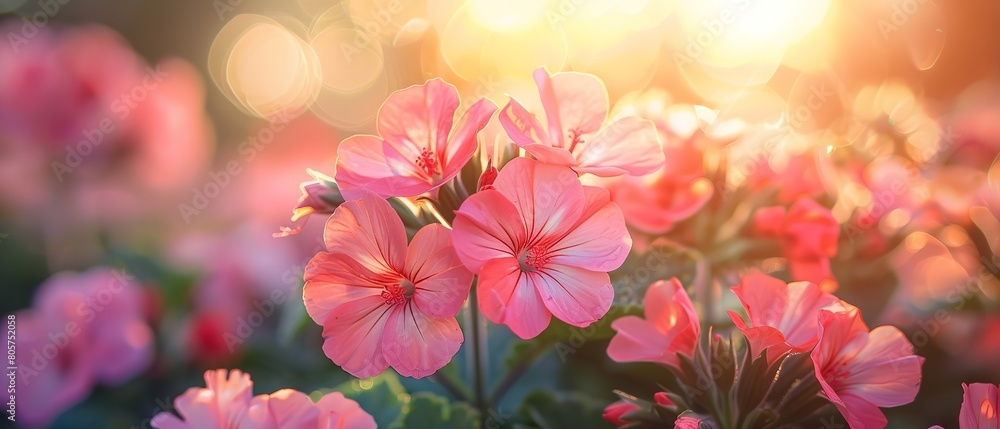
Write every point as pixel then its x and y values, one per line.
pixel 440 280
pixel 418 117
pixel 416 345
pixel 369 231
pixel 572 102
pixel 463 143
pixel 487 226
pixel 506 296
pixel 637 340
pixel 629 145
pixel 338 412
pixel 574 295
pixel 353 336
pixel 980 407
pixel 368 164
pixel 333 279
pixel 600 241
pixel 549 198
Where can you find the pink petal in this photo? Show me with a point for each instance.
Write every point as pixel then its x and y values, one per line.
pixel 979 407
pixel 416 345
pixel 339 412
pixel 333 279
pixel 353 336
pixel 762 338
pixel 574 295
pixel 629 145
pixel 463 142
pixel 861 414
pixel 572 102
pixel 292 409
pixel 368 164
pixel 369 231
pixel 667 305
pixel 440 280
pixel 486 227
pixel 637 340
pixel 885 372
pixel 418 117
pixel 600 241
pixel 507 296
pixel 521 126
pixel 550 199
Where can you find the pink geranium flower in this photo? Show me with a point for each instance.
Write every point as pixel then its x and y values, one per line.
pixel 542 244
pixel 576 107
pixel 782 316
pixel 861 371
pixel 671 326
pixel 808 234
pixel 227 403
pixel 380 303
pixel 417 149
pixel 83 329
pixel 980 407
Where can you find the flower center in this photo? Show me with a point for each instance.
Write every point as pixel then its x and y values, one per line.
pixel 398 293
pixel 838 375
pixel 535 258
pixel 574 138
pixel 428 162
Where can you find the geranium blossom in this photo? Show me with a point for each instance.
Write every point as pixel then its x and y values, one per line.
pixel 782 317
pixel 980 407
pixel 83 329
pixel 861 371
pixel 417 149
pixel 576 107
pixel 671 326
pixel 227 402
pixel 808 234
pixel 542 244
pixel 380 302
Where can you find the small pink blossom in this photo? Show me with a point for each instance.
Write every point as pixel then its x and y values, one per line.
pixel 575 135
pixel 809 234
pixel 542 244
pixel 671 326
pixel 613 413
pixel 417 149
pixel 782 317
pixel 980 407
pixel 380 302
pixel 861 371
pixel 84 329
pixel 227 402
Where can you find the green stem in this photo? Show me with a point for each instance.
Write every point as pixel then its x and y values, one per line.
pixel 515 373
pixel 478 343
pixel 454 387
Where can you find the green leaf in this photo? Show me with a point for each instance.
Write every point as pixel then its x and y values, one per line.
pixel 548 411
pixel 427 410
pixel 382 396
pixel 568 339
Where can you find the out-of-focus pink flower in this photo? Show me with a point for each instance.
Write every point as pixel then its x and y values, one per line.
pixel 809 235
pixel 980 407
pixel 380 302
pixel 691 422
pixel 861 371
pixel 417 149
pixel 542 244
pixel 576 106
pixel 799 177
pixel 613 413
pixel 227 401
pixel 83 329
pixel 671 326
pixel 783 317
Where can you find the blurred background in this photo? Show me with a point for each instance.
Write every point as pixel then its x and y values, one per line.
pixel 161 145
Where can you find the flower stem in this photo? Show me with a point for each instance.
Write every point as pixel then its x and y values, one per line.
pixel 477 355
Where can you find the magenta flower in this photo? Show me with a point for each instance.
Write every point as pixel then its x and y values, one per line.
pixel 782 316
pixel 380 303
pixel 417 149
pixel 542 244
pixel 227 403
pixel 576 107
pixel 861 371
pixel 83 329
pixel 671 326
pixel 979 407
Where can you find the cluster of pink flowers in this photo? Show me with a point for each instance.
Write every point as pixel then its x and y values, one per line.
pixel 84 329
pixel 540 242
pixel 227 401
pixel 858 369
